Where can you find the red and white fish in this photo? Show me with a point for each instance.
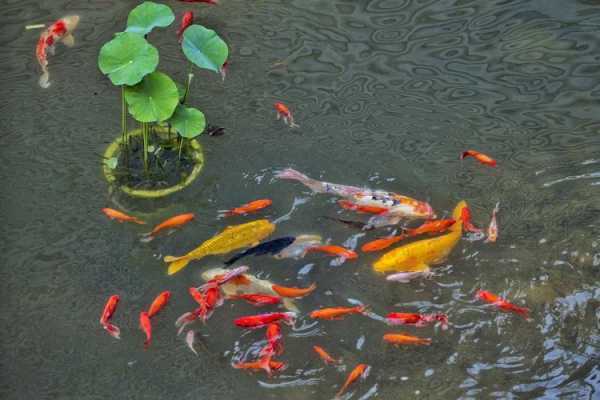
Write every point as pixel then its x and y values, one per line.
pixel 186 20
pixel 258 321
pixel 465 215
pixel 107 313
pixel 492 233
pixel 502 304
pixel 418 320
pixel 286 114
pixel 482 158
pixel 230 275
pixel 59 31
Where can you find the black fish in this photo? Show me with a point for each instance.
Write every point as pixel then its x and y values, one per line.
pixel 353 224
pixel 271 247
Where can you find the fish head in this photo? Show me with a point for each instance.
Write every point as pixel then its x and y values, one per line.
pixel 71 21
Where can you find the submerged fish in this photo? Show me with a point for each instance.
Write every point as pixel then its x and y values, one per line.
pixel 492 233
pixel 327 359
pixel 107 313
pixel 159 303
pixel 404 338
pixel 419 255
pixel 146 327
pixel 405 277
pixel 292 291
pixel 231 238
pixel 260 320
pixel 337 312
pixel 286 114
pixel 300 246
pixel 257 299
pixel 349 222
pixel 247 208
pixel 120 216
pixel 418 320
pixel 465 217
pixel 190 339
pixel 61 30
pixel 502 304
pixel 336 251
pixel 170 223
pixel 482 158
pixel 271 247
pixel 432 227
pixel 381 243
pixel 360 371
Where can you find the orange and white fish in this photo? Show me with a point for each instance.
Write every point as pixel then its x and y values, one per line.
pixel 465 215
pixel 336 251
pixel 146 327
pixel 492 233
pixel 325 356
pixel 186 20
pixel 120 216
pixel 418 320
pixel 170 223
pixel 337 312
pixel 482 158
pixel 247 208
pixel 432 227
pixel 59 31
pixel 231 275
pixel 360 371
pixel 159 303
pixel 502 304
pixel 293 292
pixel 107 313
pixel 286 114
pixel 381 243
pixel 404 338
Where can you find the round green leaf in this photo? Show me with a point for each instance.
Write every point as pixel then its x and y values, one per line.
pixel 153 99
pixel 147 16
pixel 127 59
pixel 188 121
pixel 204 47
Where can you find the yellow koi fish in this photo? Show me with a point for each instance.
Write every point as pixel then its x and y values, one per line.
pixel 232 238
pixel 418 256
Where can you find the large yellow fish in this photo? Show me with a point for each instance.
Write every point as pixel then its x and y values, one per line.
pixel 232 238
pixel 418 256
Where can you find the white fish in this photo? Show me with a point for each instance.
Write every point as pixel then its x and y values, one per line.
pixel 189 339
pixel 405 277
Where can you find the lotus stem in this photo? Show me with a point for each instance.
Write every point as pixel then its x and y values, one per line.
pixel 145 137
pixel 189 81
pixel 180 147
pixel 124 118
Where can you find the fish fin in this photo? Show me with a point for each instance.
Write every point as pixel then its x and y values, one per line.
pixel 45 79
pixel 170 259
pixel 294 125
pixel 147 237
pixel 68 40
pixel 113 330
pixel 177 266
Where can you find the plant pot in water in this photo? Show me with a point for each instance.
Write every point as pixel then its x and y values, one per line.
pixel 192 154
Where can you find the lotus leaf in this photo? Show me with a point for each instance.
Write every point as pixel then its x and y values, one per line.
pixel 188 121
pixel 204 47
pixel 153 99
pixel 147 16
pixel 127 59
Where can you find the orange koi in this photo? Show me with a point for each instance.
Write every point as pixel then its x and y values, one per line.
pixel 146 327
pixel 159 303
pixel 258 321
pixel 107 313
pixel 404 338
pixel 382 243
pixel 482 158
pixel 432 227
pixel 325 356
pixel 348 205
pixel 186 20
pixel 465 215
pixel 492 233
pixel 257 299
pixel 170 223
pixel 337 251
pixel 502 304
pixel 247 208
pixel 292 292
pixel 360 371
pixel 337 312
pixel 284 113
pixel 121 217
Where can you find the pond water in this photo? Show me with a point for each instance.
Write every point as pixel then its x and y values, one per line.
pixel 387 94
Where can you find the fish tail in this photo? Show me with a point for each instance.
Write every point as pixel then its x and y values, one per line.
pixel 45 79
pixel 177 265
pixel 146 237
pixel 113 330
pixel 424 341
pixel 138 221
pixel 265 362
pixel 292 174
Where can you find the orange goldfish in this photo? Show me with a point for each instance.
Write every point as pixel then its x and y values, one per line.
pixel 286 114
pixel 325 356
pixel 258 321
pixel 432 227
pixel 173 222
pixel 337 312
pixel 121 217
pixel 247 208
pixel 466 219
pixel 348 205
pixel 337 251
pixel 272 365
pixel 382 243
pixel 482 158
pixel 159 303
pixel 502 304
pixel 257 299
pixel 360 371
pixel 146 327
pixel 107 313
pixel 492 233
pixel 404 338
pixel 292 291
pixel 418 320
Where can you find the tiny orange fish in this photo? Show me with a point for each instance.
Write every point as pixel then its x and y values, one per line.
pixel 502 304
pixel 360 371
pixel 173 222
pixel 107 313
pixel 432 227
pixel 159 303
pixel 337 312
pixel 465 215
pixel 325 356
pixel 121 217
pixel 382 243
pixel 482 158
pixel 492 233
pixel 146 327
pixel 404 338
pixel 337 251
pixel 247 208
pixel 286 114
pixel 348 205
pixel 284 291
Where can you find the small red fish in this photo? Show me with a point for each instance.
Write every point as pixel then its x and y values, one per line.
pixel 492 233
pixel 107 313
pixel 502 304
pixel 257 299
pixel 337 251
pixel 286 114
pixel 214 299
pixel 293 292
pixel 348 205
pixel 382 243
pixel 121 217
pixel 482 158
pixel 418 320
pixel 146 327
pixel 247 208
pixel 337 312
pixel 404 338
pixel 170 223
pixel 360 371
pixel 325 356
pixel 465 215
pixel 186 20
pixel 432 227
pixel 258 321
pixel 159 303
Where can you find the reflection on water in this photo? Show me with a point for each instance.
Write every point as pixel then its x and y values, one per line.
pixel 387 93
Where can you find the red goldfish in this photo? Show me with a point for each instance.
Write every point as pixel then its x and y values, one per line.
pixel 404 338
pixel 292 291
pixel 274 338
pixel 186 20
pixel 247 208
pixel 492 233
pixel 121 217
pixel 418 320
pixel 257 299
pixel 482 158
pixel 272 365
pixel 337 251
pixel 382 243
pixel 258 321
pixel 159 303
pixel 146 327
pixel 107 313
pixel 502 304
pixel 465 215
pixel 170 223
pixel 286 114
pixel 360 371
pixel 432 227
pixel 61 30
pixel 348 205
pixel 337 312
pixel 325 356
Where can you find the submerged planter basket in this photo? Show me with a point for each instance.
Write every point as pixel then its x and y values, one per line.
pixel 193 149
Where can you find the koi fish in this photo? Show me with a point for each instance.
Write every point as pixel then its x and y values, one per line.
pixel 271 247
pixel 170 223
pixel 337 312
pixel 186 20
pixel 502 304
pixel 146 327
pixel 418 320
pixel 300 246
pixel 121 217
pixel 257 299
pixel 382 243
pixel 286 114
pixel 432 227
pixel 189 340
pixel 405 277
pixel 482 158
pixel 292 291
pixel 258 321
pixel 231 238
pixel 159 303
pixel 255 365
pixel 492 233
pixel 214 299
pixel 201 300
pixel 247 208
pixel 418 256
pixel 465 215
pixel 107 313
pixel 228 275
pixel 404 338
pixel 61 30
pixel 348 205
pixel 325 356
pixel 337 251
pixel 360 371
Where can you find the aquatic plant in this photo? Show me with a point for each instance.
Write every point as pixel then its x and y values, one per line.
pixel 151 97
